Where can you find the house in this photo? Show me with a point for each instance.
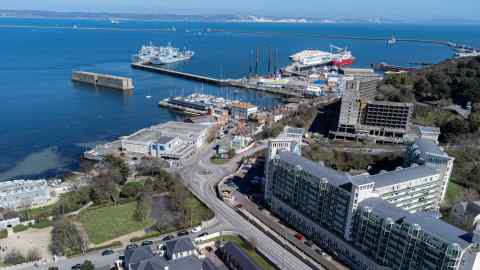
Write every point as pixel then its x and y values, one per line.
pixel 142 258
pixel 135 256
pixel 242 110
pixel 234 257
pixel 23 193
pixel 179 248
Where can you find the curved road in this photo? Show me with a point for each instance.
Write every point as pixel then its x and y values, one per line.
pixel 203 185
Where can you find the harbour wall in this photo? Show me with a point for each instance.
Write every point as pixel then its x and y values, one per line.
pixel 104 80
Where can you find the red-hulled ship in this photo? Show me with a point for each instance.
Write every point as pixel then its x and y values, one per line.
pixel 341 56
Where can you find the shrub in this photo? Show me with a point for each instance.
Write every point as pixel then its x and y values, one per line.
pixel 14 257
pixel 3 234
pixel 20 228
pixel 131 190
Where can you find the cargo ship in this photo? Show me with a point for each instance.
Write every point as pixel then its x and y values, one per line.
pixel 342 56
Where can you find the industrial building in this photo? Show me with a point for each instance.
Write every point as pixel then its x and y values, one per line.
pixel 18 194
pixel 329 207
pixel 362 117
pixel 172 141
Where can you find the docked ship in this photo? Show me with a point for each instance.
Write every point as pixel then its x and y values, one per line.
pixel 151 54
pixel 342 56
pixel 461 53
pixel 312 58
pixel 195 104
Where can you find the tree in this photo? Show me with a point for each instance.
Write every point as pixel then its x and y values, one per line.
pixel 131 190
pixel 142 209
pixel 67 238
pixel 104 189
pixel 33 255
pixel 231 153
pixel 14 257
pixel 87 265
pixel 474 121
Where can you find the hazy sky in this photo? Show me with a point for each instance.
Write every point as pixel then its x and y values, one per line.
pixel 418 9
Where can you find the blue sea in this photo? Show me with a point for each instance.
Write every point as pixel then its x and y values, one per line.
pixel 46 122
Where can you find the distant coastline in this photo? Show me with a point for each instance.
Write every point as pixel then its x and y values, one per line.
pixel 223 18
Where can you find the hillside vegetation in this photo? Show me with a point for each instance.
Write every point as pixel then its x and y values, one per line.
pixel 435 87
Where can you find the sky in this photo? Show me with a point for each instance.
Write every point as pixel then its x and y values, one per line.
pixel 398 9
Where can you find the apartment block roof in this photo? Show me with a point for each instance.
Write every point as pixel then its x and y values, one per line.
pixel 402 175
pixel 429 224
pixel 429 146
pixel 332 176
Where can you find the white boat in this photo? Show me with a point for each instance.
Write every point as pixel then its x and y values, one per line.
pixel 161 55
pixel 392 40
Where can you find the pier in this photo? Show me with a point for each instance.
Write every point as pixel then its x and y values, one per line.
pixel 103 80
pixel 240 83
pixel 175 73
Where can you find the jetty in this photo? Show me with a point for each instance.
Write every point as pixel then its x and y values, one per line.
pixel 103 80
pixel 240 83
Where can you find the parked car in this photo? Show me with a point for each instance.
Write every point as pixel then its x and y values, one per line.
pixel 309 243
pixel 299 237
pixel 132 246
pixel 147 243
pixel 203 234
pixel 107 252
pixel 168 238
pixel 196 229
pixel 183 233
pixel 77 267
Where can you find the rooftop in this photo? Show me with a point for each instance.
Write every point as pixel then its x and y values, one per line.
pixel 135 256
pixel 402 175
pixel 429 146
pixel 239 256
pixel 243 105
pixel 164 139
pixel 429 224
pixel 179 245
pixel 315 169
pixel 424 129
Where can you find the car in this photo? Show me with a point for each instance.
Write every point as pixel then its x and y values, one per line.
pixel 147 243
pixel 167 238
pixel 196 229
pixel 203 234
pixel 131 246
pixel 239 205
pixel 309 243
pixel 183 233
pixel 77 267
pixel 107 252
pixel 299 237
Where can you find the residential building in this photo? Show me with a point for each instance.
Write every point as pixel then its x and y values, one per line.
pixel 242 110
pixel 326 205
pixel 395 238
pixel 8 221
pixel 142 258
pixel 240 142
pixel 23 193
pixel 179 248
pixel 235 258
pixel 427 152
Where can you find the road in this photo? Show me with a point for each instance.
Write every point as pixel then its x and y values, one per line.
pixel 203 185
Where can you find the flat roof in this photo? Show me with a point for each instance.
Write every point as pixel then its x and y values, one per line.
pixel 402 175
pixel 146 135
pixel 390 103
pixel 425 129
pixel 243 105
pixel 334 177
pixel 164 139
pixel 428 223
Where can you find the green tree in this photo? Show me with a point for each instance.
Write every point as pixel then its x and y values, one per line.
pixel 87 265
pixel 67 238
pixel 142 209
pixel 474 121
pixel 131 190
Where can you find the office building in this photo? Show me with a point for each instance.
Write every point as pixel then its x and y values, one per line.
pixel 23 193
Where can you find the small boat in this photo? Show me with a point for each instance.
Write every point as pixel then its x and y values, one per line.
pixel 392 40
pixel 148 97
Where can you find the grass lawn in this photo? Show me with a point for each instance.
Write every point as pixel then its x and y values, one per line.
pixel 106 223
pixel 219 161
pixel 454 193
pixel 199 210
pixel 259 260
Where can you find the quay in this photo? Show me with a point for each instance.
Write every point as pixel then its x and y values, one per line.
pixel 103 80
pixel 240 83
